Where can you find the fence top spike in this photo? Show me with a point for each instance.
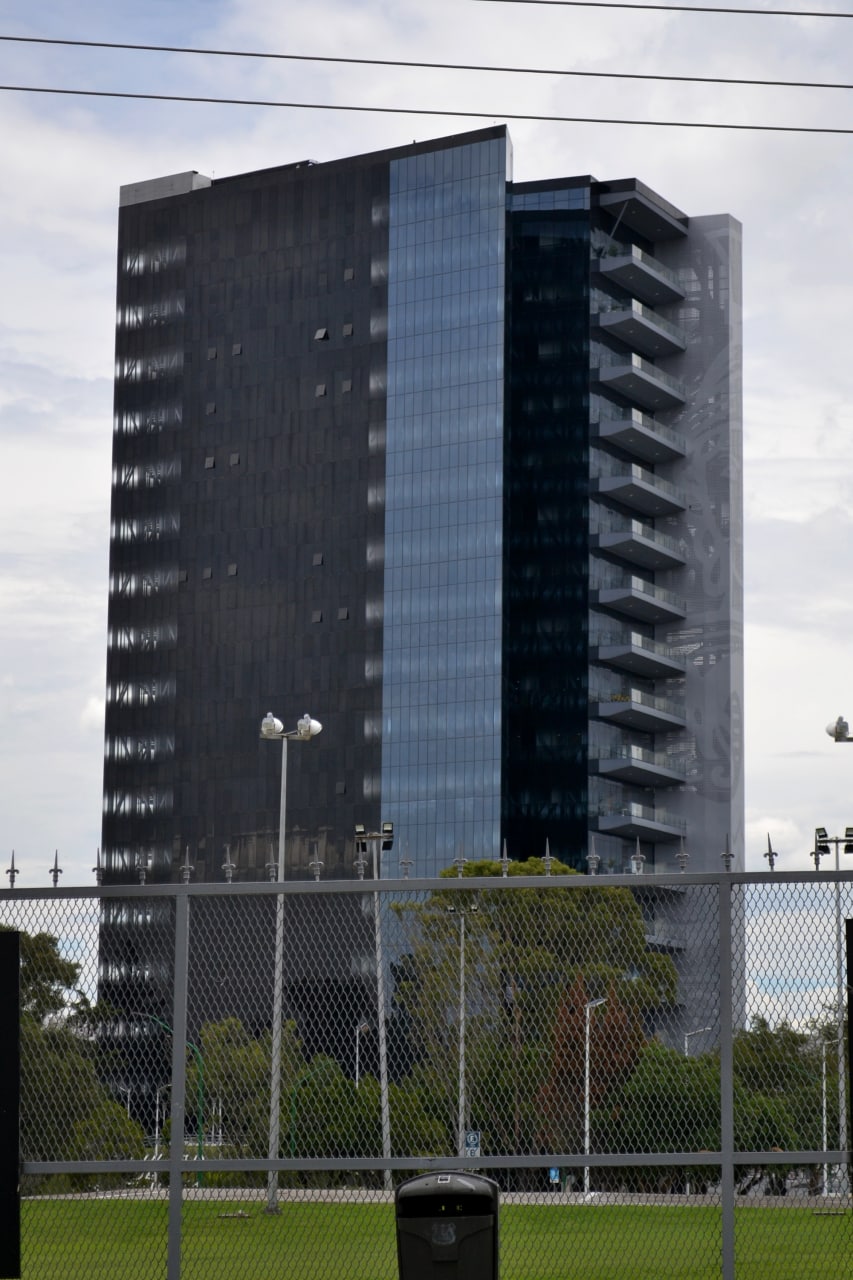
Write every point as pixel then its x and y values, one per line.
pixel 505 860
pixel 771 855
pixel 12 872
pixel 56 869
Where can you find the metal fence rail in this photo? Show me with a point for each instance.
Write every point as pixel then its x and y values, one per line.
pixel 653 1068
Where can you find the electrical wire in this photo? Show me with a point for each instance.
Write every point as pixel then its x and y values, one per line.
pixel 424 66
pixel 423 111
pixel 681 8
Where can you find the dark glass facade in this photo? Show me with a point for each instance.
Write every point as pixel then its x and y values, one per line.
pixel 453 464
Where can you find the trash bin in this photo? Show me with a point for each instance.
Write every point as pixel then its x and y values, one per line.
pixel 447 1226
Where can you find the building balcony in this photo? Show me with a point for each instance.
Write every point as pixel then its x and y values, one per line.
pixel 641 490
pixel 636 598
pixel 640 380
pixel 639 821
pixel 641 274
pixel 639 767
pixel 638 654
pixel 642 329
pixel 637 710
pixel 642 544
pixel 662 935
pixel 636 206
pixel 638 433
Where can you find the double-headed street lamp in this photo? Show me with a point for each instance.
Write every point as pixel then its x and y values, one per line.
pixel 273 731
pixel 588 1008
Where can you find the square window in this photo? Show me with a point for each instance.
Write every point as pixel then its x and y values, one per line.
pixel 343 613
pixel 349 273
pixel 321 335
pixel 232 571
pixel 318 558
pixel 340 788
pixel 206 574
pixel 346 385
pixel 233 459
pixel 236 348
pixel 209 462
pixel 317 615
pixel 182 575
pixel 210 407
pixel 320 389
pixel 211 353
pixel 347 330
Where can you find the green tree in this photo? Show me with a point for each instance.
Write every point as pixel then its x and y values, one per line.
pixel 64 1106
pixel 532 957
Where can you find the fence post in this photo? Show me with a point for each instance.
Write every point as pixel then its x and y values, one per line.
pixel 727 1115
pixel 848 927
pixel 179 1044
pixel 10 1086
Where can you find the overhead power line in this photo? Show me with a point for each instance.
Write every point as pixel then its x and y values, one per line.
pixel 423 111
pixel 681 8
pixel 422 66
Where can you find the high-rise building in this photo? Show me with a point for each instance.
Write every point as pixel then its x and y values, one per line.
pixel 454 464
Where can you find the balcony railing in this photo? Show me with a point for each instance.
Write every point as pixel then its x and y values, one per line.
pixel 639 433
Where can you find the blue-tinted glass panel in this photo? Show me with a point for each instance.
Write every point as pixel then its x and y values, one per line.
pixel 441 740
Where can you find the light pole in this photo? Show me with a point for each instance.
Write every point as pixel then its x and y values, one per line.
pixel 360 1028
pixel 374 840
pixel 462 1099
pixel 163 1088
pixel 821 849
pixel 588 1007
pixel 700 1031
pixel 273 730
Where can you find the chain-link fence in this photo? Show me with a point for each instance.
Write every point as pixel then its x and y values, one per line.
pixel 226 1080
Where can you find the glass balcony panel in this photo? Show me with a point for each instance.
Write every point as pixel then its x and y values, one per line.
pixel 636 653
pixel 636 432
pixel 641 328
pixel 640 273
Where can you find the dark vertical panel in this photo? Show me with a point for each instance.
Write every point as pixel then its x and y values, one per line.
pixel 546 546
pixel 10 1096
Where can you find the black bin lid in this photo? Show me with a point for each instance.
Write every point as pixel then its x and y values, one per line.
pixel 446 1195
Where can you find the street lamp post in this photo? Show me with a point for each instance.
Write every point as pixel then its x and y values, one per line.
pixel 273 731
pixel 374 840
pixel 821 849
pixel 360 1029
pixel 588 1007
pixel 462 1093
pixel 158 1127
pixel 700 1031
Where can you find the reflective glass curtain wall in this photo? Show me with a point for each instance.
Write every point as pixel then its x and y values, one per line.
pixel 441 735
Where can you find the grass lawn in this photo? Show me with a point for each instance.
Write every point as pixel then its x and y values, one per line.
pixel 126 1240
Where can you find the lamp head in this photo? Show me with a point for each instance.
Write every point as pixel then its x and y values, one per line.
pixel 308 728
pixel 271 727
pixel 839 731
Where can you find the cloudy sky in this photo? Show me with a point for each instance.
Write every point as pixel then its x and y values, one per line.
pixel 63 158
